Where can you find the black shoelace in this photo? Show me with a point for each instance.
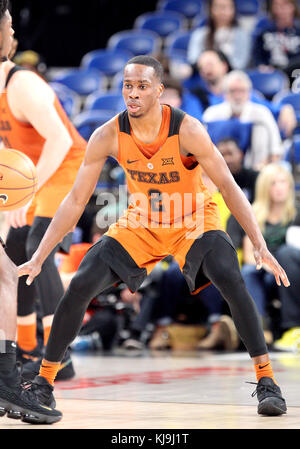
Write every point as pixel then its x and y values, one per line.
pixel 263 388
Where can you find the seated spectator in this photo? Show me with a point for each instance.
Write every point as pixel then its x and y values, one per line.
pixel 175 95
pixel 289 257
pixel 207 81
pixel 277 43
pixel 275 210
pixel 234 157
pixel 221 32
pixel 266 145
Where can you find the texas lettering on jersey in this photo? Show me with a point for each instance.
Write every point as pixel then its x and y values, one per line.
pixel 154 178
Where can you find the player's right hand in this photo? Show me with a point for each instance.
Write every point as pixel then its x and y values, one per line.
pixel 32 268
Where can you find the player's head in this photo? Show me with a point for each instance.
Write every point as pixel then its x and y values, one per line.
pixel 6 30
pixel 142 84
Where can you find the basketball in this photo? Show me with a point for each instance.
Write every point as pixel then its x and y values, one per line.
pixel 18 179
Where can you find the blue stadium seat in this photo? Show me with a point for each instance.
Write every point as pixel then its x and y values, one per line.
pixel 108 62
pixel 137 42
pixel 261 23
pixel 247 7
pixel 293 158
pixel 88 121
pixel 232 128
pixel 117 82
pixel 293 153
pixel 294 100
pixel 69 99
pixel 199 21
pixel 177 43
pixel 105 101
pixel 162 23
pixel 268 83
pixel 188 8
pixel 82 81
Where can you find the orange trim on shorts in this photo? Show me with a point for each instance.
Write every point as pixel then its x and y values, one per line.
pixel 200 288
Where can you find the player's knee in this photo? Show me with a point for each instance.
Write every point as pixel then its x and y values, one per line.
pixel 78 284
pixel 228 277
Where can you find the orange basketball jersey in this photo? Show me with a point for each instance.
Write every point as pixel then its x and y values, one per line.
pixel 24 137
pixel 166 190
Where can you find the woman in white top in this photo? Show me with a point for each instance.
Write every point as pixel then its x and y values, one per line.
pixel 221 32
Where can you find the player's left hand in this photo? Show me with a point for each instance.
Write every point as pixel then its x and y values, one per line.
pixel 264 257
pixel 32 268
pixel 17 218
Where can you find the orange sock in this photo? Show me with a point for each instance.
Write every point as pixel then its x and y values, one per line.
pixel 47 330
pixel 49 370
pixel 27 336
pixel 264 370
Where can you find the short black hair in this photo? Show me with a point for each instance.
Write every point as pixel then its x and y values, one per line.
pixel 4 5
pixel 149 61
pixel 229 140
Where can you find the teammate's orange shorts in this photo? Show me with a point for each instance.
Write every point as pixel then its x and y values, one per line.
pixel 48 199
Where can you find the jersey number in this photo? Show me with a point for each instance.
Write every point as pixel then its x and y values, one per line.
pixel 155 197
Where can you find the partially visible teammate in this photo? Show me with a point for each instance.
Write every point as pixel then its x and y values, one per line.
pixel 11 400
pixel 34 122
pixel 163 152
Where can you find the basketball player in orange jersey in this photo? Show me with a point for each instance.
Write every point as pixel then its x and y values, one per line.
pixel 33 121
pixel 163 152
pixel 11 401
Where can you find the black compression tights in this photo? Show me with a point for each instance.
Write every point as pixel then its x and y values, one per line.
pixel 220 265
pixel 93 277
pixel 20 245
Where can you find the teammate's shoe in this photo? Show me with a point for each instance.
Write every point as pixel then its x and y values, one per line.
pixel 28 356
pixel 17 403
pixel 270 400
pixel 65 372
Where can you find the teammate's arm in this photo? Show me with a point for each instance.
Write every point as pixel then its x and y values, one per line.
pixel 32 100
pixel 194 139
pixel 101 145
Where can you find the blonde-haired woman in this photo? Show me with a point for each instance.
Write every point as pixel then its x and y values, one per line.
pixel 275 210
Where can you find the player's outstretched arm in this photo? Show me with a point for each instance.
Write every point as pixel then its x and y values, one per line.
pixel 194 139
pixel 100 146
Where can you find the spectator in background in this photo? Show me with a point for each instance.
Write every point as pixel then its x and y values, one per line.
pixel 266 145
pixel 207 82
pixel 221 32
pixel 277 42
pixel 208 85
pixel 275 210
pixel 289 256
pixel 234 157
pixel 175 95
pixel 32 61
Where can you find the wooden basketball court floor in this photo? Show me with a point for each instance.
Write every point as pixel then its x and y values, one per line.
pixel 170 390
